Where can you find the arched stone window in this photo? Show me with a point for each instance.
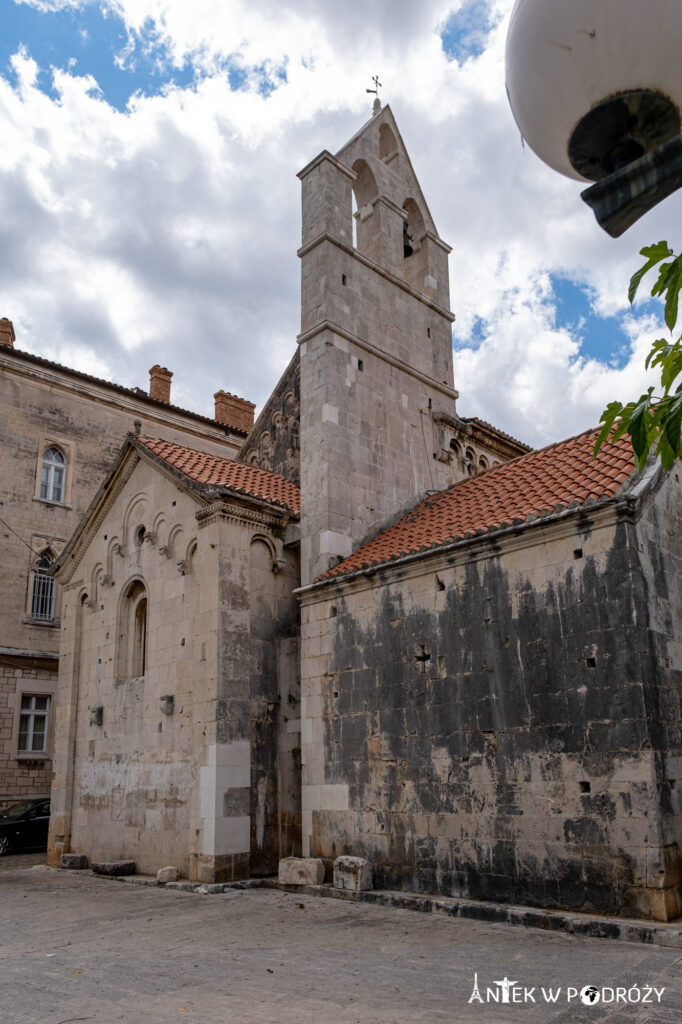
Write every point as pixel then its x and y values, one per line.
pixel 470 461
pixel 482 463
pixel 53 475
pixel 365 185
pixel 42 598
pixel 366 231
pixel 456 447
pixel 132 634
pixel 387 143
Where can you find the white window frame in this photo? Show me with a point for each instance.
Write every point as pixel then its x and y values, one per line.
pixel 66 450
pixel 33 713
pixel 53 475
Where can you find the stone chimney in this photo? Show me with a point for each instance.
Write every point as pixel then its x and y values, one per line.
pixel 233 412
pixel 7 337
pixel 160 383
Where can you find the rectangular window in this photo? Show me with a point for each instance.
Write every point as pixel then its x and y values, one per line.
pixel 33 724
pixel 52 483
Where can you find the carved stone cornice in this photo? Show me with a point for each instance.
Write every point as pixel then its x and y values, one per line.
pixel 239 514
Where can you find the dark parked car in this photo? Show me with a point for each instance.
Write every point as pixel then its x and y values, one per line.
pixel 24 826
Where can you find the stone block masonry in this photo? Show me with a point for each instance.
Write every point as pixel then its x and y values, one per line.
pixel 502 720
pixel 375 345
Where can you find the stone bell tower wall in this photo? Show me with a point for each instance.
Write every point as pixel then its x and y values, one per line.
pixel 375 346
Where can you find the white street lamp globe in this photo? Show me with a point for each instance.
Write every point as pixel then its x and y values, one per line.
pixel 595 84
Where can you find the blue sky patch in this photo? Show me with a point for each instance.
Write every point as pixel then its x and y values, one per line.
pixel 92 40
pixel 466 31
pixel 602 338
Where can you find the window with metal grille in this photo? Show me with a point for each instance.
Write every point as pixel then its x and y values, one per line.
pixel 53 475
pixel 35 712
pixel 42 604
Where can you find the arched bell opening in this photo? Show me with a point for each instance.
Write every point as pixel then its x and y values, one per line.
pixel 413 228
pixel 388 146
pixel 365 191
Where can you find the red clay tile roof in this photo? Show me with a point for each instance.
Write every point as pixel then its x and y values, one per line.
pixel 220 472
pixel 539 482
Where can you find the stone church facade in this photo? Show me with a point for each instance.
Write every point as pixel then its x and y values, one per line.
pixel 414 640
pixel 180 619
pixel 59 432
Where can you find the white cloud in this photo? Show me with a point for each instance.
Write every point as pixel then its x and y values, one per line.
pixel 168 233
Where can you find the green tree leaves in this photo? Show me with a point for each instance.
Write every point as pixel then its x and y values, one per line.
pixel 654 422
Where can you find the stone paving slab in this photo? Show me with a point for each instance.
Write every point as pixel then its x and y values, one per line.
pixel 590 925
pixel 74 946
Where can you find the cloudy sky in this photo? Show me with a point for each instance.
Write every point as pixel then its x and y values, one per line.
pixel 149 205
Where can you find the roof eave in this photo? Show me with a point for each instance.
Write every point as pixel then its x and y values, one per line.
pixel 629 496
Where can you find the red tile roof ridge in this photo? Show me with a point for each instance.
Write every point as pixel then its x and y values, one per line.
pixel 218 471
pixel 560 477
pixel 122 389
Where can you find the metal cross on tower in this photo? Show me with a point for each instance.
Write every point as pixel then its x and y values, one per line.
pixel 377 102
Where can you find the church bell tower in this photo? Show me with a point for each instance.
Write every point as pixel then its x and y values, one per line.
pixel 375 342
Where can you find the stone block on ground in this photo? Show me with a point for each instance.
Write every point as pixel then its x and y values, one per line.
pixel 113 867
pixel 74 861
pixel 353 873
pixel 167 874
pixel 301 871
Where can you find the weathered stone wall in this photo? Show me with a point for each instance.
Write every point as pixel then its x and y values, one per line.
pixel 274 442
pixel 175 761
pixel 660 557
pixel 46 406
pixel 502 722
pixel 20 774
pixel 275 707
pixel 127 776
pixel 376 363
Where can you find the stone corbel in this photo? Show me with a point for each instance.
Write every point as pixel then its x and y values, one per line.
pixel 119 549
pixel 183 567
pixel 149 537
pixel 165 551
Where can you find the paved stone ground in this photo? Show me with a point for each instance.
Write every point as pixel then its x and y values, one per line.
pixel 78 948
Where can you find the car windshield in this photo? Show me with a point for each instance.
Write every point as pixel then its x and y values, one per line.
pixel 16 810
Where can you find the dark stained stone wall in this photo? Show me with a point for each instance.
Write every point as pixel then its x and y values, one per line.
pixel 509 726
pixel 272 655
